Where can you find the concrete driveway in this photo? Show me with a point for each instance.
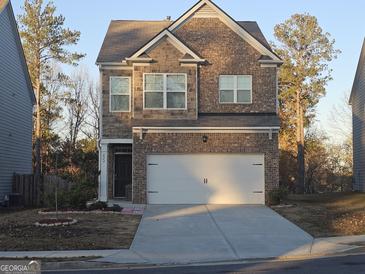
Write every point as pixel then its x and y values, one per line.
pixel 203 233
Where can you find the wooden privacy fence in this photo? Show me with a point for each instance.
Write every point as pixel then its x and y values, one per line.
pixel 33 191
pixel 29 188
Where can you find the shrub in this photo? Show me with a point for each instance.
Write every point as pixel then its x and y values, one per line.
pixel 80 194
pixel 62 200
pixel 98 206
pixel 277 196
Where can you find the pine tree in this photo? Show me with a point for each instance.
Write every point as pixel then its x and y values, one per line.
pixel 306 51
pixel 44 39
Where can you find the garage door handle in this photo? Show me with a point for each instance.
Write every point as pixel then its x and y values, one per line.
pixel 257 164
pixel 257 192
pixel 151 164
pixel 151 192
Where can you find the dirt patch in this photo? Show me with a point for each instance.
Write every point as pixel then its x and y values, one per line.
pixel 92 231
pixel 325 215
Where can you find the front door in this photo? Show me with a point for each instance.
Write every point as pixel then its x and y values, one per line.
pixel 122 174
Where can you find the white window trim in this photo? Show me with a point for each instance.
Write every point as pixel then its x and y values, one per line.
pixel 129 94
pixel 235 90
pixel 164 91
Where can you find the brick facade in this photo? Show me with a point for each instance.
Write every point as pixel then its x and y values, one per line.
pixel 114 124
pixel 166 60
pixel 184 143
pixel 227 53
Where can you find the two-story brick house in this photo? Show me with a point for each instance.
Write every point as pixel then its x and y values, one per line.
pixel 189 110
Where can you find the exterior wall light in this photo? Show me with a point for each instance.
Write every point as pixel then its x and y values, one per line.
pixel 205 138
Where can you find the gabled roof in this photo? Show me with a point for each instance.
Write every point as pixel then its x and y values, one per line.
pixel 5 5
pixel 264 48
pixel 360 67
pixel 166 34
pixel 124 38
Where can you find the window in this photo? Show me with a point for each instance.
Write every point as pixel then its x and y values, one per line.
pixel 235 89
pixel 165 91
pixel 119 94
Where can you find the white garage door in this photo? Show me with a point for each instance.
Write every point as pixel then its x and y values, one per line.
pixel 206 179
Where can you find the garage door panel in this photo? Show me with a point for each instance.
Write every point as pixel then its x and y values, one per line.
pixel 205 179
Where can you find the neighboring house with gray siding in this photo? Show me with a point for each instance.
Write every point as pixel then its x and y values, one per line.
pixel 357 101
pixel 16 103
pixel 189 110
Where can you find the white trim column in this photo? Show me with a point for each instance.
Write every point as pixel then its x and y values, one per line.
pixel 103 184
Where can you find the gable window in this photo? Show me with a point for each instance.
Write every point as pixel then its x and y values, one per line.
pixel 165 91
pixel 235 89
pixel 120 94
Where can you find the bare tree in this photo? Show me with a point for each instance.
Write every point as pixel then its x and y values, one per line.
pixel 341 118
pixel 76 105
pixel 92 121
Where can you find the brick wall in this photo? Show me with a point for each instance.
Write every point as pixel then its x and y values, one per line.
pixel 227 53
pixel 166 60
pixel 192 143
pixel 114 124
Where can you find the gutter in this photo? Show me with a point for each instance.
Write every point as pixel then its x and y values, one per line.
pixel 257 130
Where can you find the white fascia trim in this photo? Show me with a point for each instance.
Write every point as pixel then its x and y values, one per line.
pixel 195 65
pixel 116 141
pixel 206 129
pixel 191 60
pixel 177 23
pixel 229 22
pixel 139 59
pixel 110 63
pixel 276 62
pixel 268 65
pixel 214 128
pixel 115 67
pixel 178 44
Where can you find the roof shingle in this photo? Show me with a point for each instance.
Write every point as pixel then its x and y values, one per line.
pixel 125 37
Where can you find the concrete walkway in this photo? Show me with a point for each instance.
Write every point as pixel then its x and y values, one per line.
pixel 197 234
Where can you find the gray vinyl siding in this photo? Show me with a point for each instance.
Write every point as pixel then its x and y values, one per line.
pixel 16 107
pixel 358 121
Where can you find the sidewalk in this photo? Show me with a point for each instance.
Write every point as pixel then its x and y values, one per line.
pixel 319 247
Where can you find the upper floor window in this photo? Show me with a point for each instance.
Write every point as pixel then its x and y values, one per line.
pixel 120 95
pixel 165 91
pixel 235 89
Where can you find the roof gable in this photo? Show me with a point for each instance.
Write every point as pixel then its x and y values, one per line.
pixel 172 39
pixel 360 67
pixel 206 8
pixel 125 37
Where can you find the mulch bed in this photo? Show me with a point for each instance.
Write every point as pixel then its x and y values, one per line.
pixel 92 231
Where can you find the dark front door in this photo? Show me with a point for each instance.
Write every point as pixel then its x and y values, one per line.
pixel 122 174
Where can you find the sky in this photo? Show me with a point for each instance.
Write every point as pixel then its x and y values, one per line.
pixel 344 20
